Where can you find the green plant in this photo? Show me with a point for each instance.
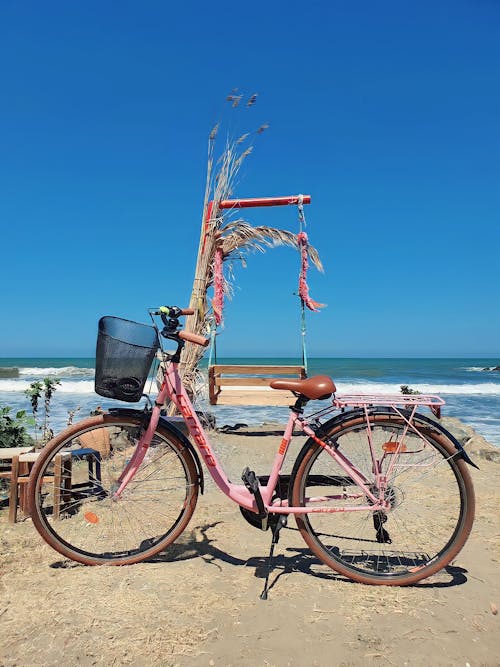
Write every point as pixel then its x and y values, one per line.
pixel 14 429
pixel 405 389
pixel 49 387
pixel 34 393
pixel 36 390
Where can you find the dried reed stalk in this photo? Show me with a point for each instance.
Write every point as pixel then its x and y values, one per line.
pixel 233 236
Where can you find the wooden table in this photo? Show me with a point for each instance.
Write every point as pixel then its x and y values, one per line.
pixel 7 453
pixel 6 456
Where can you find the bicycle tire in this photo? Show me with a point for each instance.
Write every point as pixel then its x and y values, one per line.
pixel 422 535
pixel 71 492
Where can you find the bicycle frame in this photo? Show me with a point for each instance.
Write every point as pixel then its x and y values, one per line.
pixel 173 388
pixel 356 457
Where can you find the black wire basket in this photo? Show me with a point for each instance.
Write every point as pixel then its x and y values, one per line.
pixel 124 354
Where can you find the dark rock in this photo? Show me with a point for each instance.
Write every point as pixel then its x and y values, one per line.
pixel 489 455
pixel 9 372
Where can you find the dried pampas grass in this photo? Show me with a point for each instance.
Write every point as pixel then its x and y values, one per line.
pixel 236 237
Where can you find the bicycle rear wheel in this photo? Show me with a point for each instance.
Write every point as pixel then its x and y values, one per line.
pixel 73 482
pixel 429 490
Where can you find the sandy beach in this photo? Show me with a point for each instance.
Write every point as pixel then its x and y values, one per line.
pixel 198 604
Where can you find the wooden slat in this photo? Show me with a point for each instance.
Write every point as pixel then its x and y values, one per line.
pixel 241 380
pixel 272 398
pixel 258 370
pixel 247 382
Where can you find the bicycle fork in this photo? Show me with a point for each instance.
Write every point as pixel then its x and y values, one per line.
pixel 138 456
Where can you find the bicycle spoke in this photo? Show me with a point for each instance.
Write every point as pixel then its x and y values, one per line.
pixel 94 524
pixel 423 489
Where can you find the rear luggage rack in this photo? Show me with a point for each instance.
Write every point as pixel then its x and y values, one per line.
pixel 432 402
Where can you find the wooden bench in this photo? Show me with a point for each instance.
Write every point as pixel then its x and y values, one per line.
pixel 249 385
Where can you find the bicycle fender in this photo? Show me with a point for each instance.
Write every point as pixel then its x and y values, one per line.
pixel 419 417
pixel 168 426
pixel 359 412
pixel 433 424
pixel 462 454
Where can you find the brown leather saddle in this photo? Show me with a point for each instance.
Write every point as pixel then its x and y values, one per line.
pixel 317 387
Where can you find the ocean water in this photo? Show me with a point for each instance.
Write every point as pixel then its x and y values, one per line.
pixel 471 392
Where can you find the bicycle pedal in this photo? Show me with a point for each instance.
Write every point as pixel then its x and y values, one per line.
pixel 382 535
pixel 250 480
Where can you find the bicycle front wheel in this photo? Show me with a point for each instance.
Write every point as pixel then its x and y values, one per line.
pixel 429 491
pixel 73 484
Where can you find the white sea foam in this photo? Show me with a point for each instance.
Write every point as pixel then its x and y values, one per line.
pixel 486 389
pixel 476 369
pixel 66 387
pixel 65 371
pixel 385 388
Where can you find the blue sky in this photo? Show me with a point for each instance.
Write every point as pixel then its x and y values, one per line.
pixel 386 113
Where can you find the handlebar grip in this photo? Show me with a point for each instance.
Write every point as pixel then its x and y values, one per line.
pixel 173 311
pixel 194 338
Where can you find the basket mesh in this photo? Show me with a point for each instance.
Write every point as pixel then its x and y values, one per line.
pixel 124 354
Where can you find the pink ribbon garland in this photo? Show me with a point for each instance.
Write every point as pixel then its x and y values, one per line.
pixel 218 300
pixel 304 265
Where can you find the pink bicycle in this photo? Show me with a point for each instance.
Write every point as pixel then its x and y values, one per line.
pixel 381 493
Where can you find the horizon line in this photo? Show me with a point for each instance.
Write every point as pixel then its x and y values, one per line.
pixel 291 356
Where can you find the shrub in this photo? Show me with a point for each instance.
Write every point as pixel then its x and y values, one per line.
pixel 405 389
pixel 47 387
pixel 14 430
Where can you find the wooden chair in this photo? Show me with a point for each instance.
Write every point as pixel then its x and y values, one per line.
pixel 249 385
pixel 19 478
pixel 6 456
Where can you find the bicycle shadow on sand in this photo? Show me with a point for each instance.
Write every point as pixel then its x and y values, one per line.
pixel 199 543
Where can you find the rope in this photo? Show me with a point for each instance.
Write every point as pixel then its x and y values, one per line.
pixel 303 334
pixel 302 216
pixel 213 347
pixel 303 329
pixel 305 299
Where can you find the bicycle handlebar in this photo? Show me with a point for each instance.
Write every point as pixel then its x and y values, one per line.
pixel 194 338
pixel 170 318
pixel 173 311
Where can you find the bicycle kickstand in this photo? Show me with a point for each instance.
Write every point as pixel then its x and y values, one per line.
pixel 277 525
